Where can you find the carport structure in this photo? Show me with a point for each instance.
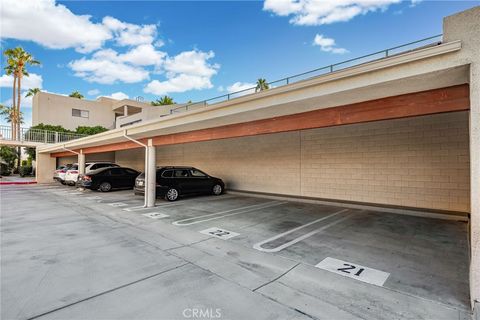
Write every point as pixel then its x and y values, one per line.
pixel 402 132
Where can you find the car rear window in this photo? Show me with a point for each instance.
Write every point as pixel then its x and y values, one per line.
pixel 74 167
pixel 167 174
pixel 116 171
pixel 183 173
pixel 197 173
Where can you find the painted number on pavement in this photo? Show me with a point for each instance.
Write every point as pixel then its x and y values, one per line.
pixel 355 271
pixel 118 204
pixel 156 215
pixel 219 233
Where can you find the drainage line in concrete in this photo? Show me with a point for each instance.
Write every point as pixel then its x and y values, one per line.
pixel 105 292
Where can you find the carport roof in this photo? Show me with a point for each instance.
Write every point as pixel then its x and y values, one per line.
pixel 341 88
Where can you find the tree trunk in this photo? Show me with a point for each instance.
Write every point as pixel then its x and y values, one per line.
pixel 19 95
pixel 14 125
pixel 19 90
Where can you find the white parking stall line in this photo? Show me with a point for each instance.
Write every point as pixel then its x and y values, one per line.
pixel 117 204
pixel 219 233
pixel 258 246
pixel 227 213
pixel 354 271
pixel 155 215
pixel 165 205
pixel 140 208
pixel 76 193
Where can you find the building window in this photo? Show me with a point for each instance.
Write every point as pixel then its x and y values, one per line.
pixel 79 113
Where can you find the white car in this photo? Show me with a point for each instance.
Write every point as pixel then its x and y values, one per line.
pixel 71 176
pixel 59 173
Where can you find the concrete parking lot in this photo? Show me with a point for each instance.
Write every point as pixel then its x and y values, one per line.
pixel 69 254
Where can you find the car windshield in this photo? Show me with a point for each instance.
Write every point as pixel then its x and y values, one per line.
pixel 141 176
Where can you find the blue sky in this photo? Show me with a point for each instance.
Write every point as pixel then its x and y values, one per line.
pixel 197 50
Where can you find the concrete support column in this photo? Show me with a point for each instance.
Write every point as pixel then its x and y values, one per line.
pixel 151 181
pixel 465 26
pixel 44 167
pixel 125 111
pixel 81 162
pixel 475 184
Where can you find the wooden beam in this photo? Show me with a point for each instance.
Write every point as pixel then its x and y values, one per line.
pixel 434 101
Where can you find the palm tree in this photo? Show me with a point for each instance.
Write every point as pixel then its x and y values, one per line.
pixel 32 92
pixel 17 61
pixel 9 114
pixel 10 70
pixel 165 100
pixel 262 84
pixel 76 94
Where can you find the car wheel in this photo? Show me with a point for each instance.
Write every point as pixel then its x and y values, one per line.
pixel 63 182
pixel 172 194
pixel 217 190
pixel 105 186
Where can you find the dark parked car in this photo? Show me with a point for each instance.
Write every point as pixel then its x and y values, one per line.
pixel 173 182
pixel 106 179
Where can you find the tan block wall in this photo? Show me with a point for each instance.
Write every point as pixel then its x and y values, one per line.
pixel 417 162
pixel 134 158
pixel 105 156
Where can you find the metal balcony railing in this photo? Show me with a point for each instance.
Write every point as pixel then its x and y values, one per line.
pixel 37 135
pixel 430 41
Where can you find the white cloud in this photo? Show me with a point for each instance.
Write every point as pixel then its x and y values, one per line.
pixel 93 92
pixel 32 81
pixel 106 67
pixel 127 34
pixel 318 12
pixel 118 96
pixel 327 45
pixel 51 25
pixel 186 71
pixel 239 86
pixel 178 83
pixel 143 55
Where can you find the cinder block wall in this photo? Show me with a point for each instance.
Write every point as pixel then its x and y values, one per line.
pixel 417 162
pixel 105 156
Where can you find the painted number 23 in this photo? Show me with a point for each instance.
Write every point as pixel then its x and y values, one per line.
pixel 219 233
pixel 350 268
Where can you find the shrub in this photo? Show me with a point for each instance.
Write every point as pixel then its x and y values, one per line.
pixel 25 170
pixel 24 162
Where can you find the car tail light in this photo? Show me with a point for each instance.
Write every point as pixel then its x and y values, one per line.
pixel 87 178
pixel 74 171
pixel 62 171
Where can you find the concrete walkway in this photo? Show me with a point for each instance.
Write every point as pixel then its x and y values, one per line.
pixel 70 255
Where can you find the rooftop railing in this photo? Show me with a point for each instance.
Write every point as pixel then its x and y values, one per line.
pixel 37 135
pixel 415 45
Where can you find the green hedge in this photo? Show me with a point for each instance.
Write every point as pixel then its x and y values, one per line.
pixel 25 170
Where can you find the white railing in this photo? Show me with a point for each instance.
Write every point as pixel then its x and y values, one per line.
pixel 37 135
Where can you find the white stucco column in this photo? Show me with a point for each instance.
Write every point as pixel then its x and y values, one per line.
pixel 81 163
pixel 125 110
pixel 44 167
pixel 151 181
pixel 465 26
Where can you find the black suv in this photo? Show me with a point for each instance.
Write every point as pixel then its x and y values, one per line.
pixel 173 182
